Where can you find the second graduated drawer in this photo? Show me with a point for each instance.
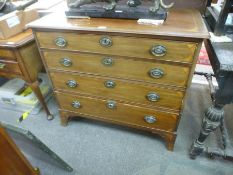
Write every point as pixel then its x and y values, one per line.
pixel 120 67
pixel 111 88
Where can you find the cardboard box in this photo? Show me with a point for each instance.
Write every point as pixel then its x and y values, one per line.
pixel 29 15
pixel 14 95
pixel 15 22
pixel 11 24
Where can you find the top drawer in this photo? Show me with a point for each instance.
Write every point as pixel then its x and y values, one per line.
pixel 6 54
pixel 120 45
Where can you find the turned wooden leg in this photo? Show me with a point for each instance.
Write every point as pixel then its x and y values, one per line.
pixel 64 118
pixel 36 90
pixel 211 122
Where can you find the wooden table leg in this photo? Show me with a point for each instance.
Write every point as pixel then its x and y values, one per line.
pixel 36 90
pixel 210 123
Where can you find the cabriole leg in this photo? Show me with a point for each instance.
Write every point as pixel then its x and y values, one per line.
pixel 36 89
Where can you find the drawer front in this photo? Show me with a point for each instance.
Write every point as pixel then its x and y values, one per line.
pixel 11 67
pixel 118 112
pixel 119 45
pixel 119 67
pixel 6 54
pixel 118 89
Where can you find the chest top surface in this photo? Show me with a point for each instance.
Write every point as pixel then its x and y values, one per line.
pixel 180 23
pixel 17 40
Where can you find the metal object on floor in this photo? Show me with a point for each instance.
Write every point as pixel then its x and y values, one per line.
pixel 213 119
pixel 26 133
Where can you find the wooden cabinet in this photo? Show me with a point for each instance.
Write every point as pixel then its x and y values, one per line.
pixel 19 57
pixel 12 161
pixel 120 71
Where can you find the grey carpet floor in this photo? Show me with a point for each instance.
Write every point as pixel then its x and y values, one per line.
pixel 97 148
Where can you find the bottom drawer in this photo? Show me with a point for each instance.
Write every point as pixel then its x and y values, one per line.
pixel 126 114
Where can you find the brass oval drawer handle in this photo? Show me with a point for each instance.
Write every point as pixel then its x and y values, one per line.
pixel 105 41
pixel 158 50
pixel 60 41
pixel 153 97
pixel 156 73
pixel 109 84
pixel 111 104
pixel 76 104
pixel 107 61
pixel 150 119
pixel 66 62
pixel 2 65
pixel 72 83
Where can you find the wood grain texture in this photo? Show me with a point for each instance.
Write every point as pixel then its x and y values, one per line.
pixel 17 40
pixel 124 113
pixel 169 137
pixel 7 54
pixel 127 91
pixel 196 56
pixel 31 61
pixel 12 161
pixel 11 75
pixel 134 69
pixel 121 45
pixel 184 23
pixel 10 67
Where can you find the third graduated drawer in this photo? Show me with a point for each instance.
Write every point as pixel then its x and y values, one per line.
pixel 123 90
pixel 120 67
pixel 117 112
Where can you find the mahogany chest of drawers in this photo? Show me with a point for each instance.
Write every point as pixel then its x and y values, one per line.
pixel 120 71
